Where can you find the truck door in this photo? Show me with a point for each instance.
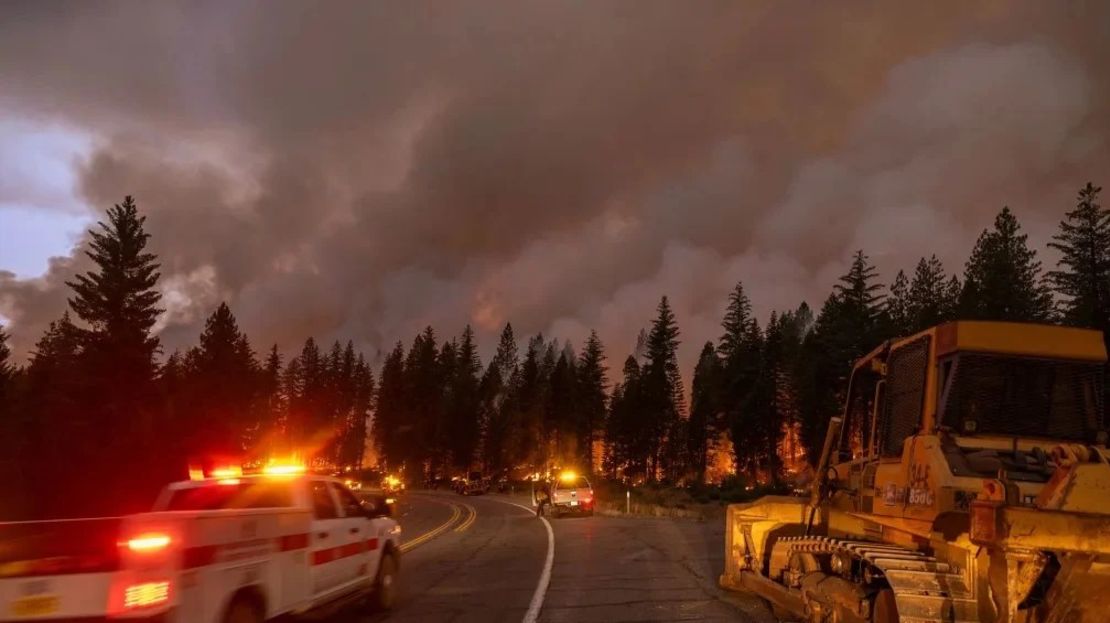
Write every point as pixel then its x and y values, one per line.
pixel 327 539
pixel 363 543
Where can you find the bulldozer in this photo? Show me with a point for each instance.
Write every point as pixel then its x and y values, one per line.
pixel 966 479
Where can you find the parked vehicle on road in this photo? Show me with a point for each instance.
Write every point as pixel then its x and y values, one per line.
pixel 571 494
pixel 472 484
pixel 229 549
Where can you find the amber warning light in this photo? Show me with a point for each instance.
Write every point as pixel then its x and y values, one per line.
pixel 279 469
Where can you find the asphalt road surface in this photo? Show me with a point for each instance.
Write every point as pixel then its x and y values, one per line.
pixel 486 559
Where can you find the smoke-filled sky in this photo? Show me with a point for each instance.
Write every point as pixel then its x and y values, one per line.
pixel 360 170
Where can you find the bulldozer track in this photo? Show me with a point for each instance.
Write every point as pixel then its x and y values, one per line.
pixel 925 589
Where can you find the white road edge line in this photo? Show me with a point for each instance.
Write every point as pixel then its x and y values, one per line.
pixel 534 608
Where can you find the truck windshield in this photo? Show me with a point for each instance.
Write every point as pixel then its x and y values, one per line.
pixel 261 494
pixel 1015 396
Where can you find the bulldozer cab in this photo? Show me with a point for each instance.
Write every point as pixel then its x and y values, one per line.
pixel 963 400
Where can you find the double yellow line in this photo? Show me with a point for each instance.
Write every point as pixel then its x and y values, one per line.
pixel 456 513
pixel 473 514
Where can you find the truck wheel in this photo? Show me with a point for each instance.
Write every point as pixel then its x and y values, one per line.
pixel 385 587
pixel 242 610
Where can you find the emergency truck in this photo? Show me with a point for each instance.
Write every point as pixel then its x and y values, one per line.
pixel 569 493
pixel 572 493
pixel 225 548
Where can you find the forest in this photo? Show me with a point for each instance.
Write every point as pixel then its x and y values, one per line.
pixel 99 416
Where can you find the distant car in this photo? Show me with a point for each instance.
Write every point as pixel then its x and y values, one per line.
pixel 353 485
pixel 571 493
pixel 473 484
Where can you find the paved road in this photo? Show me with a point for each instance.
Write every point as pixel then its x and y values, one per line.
pixel 483 558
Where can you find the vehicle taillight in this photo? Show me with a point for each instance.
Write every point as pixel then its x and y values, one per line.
pixel 146 543
pixel 146 594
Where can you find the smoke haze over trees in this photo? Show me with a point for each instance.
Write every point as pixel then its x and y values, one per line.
pixel 392 167
pixel 99 391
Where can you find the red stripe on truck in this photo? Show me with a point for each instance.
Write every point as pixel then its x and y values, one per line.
pixel 331 554
pixel 292 542
pixel 204 555
pixel 199 556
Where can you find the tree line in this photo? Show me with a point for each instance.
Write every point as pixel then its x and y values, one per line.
pixel 95 405
pixel 95 423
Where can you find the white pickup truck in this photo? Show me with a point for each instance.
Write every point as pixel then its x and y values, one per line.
pixel 230 550
pixel 571 493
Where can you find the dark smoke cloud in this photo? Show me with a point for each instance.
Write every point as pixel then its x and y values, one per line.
pixel 360 170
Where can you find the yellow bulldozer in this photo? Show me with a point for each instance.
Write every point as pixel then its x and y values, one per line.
pixel 967 479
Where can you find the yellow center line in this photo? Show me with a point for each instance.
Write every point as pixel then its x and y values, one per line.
pixel 473 514
pixel 456 512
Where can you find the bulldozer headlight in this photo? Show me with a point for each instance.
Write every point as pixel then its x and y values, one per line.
pixel 841 564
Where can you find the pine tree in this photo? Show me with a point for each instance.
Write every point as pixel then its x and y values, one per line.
pixel 391 412
pixel 860 304
pixel 847 328
pixel 272 399
pixel 527 443
pixel 1002 278
pixel 424 398
pixel 899 310
pixel 658 385
pixel 223 383
pixel 592 400
pixel 118 302
pixel 784 368
pixel 626 457
pixel 930 300
pixel 739 350
pixel 362 400
pixel 1083 276
pixel 704 408
pixel 496 390
pixel 737 324
pixel 952 291
pixel 506 359
pixel 767 421
pixel 292 389
pixel 55 425
pixel 464 409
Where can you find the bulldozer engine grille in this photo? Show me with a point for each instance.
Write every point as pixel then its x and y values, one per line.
pixel 1025 397
pixel 906 391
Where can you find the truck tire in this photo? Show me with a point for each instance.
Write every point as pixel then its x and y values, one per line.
pixel 242 610
pixel 385 586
